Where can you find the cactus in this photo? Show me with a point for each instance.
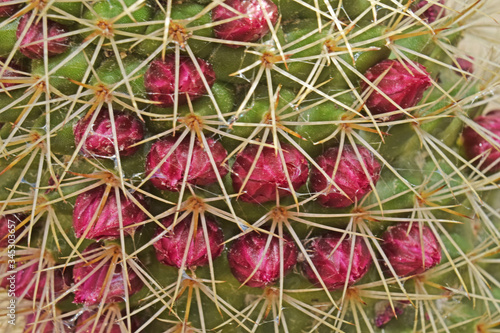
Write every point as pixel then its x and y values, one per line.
pixel 249 166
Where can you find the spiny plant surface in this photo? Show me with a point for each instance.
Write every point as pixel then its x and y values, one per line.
pixel 249 166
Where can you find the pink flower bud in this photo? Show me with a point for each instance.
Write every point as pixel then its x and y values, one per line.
pixel 247 254
pixel 107 224
pixel 465 65
pixel 432 13
pixel 170 175
pixel 8 10
pixel 106 279
pixel 8 73
pixel 24 281
pixel 8 224
pixel 269 175
pixel 171 247
pixel 403 248
pixel 475 144
pixel 405 88
pixel 350 176
pixel 159 80
pixel 250 28
pixel 42 325
pixel 32 44
pixel 384 312
pixel 334 266
pixel 100 140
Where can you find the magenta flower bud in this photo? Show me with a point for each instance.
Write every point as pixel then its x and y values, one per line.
pixel 100 140
pixel 8 10
pixel 171 247
pixel 8 73
pixel 107 279
pixel 465 65
pixel 403 249
pixel 384 312
pixel 405 88
pixel 32 44
pixel 159 80
pixel 250 28
pixel 24 282
pixel 107 224
pixel 8 224
pixel 332 266
pixel 475 144
pixel 42 325
pixel 350 176
pixel 269 175
pixel 247 254
pixel 432 13
pixel 170 174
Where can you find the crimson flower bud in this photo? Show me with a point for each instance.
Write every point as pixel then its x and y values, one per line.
pixel 250 28
pixel 384 312
pixel 9 73
pixel 25 281
pixel 170 174
pixel 106 279
pixel 350 176
pixel 107 224
pixel 269 175
pixel 160 82
pixel 403 248
pixel 247 254
pixel 465 65
pixel 332 266
pixel 8 223
pixel 475 144
pixel 32 45
pixel 433 12
pixel 171 247
pixel 404 84
pixel 8 10
pixel 42 324
pixel 100 140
